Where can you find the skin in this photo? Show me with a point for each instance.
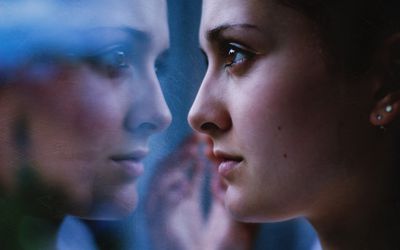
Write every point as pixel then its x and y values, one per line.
pixel 297 132
pixel 79 116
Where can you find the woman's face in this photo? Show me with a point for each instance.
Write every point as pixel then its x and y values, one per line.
pixel 283 124
pixel 85 124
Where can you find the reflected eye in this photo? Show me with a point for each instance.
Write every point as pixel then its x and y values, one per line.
pixel 161 66
pixel 112 61
pixel 235 54
pixel 119 59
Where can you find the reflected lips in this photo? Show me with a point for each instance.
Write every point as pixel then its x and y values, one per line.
pixel 130 164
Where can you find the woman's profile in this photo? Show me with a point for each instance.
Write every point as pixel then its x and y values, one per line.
pixel 78 106
pixel 301 101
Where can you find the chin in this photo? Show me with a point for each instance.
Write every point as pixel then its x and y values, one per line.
pixel 108 211
pixel 116 207
pixel 253 214
pixel 241 213
pixel 238 205
pixel 246 208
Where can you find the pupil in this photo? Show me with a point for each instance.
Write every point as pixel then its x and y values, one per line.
pixel 120 58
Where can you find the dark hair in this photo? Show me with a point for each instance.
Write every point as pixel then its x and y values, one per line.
pixel 351 29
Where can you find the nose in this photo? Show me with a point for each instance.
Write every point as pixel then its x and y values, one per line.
pixel 209 113
pixel 148 112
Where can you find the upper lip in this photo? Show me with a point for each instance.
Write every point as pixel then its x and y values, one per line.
pixel 136 155
pixel 224 156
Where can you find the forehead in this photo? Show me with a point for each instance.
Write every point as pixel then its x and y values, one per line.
pixel 227 12
pixel 220 11
pixel 149 16
pixel 110 11
pixel 225 7
pixel 142 14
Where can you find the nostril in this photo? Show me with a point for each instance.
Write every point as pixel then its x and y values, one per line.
pixel 148 126
pixel 208 126
pixel 146 122
pixel 143 127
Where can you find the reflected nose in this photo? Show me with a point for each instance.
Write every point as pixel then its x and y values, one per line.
pixel 148 112
pixel 209 113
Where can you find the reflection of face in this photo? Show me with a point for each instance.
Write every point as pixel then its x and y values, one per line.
pixel 88 123
pixel 282 122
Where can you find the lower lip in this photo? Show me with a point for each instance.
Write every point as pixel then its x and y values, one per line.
pixel 227 167
pixel 130 168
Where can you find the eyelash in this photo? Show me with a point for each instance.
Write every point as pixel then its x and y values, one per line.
pixel 160 64
pixel 235 55
pixel 113 61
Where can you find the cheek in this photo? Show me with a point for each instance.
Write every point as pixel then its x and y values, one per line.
pixel 85 107
pixel 289 105
pixel 73 126
pixel 288 127
pixel 96 115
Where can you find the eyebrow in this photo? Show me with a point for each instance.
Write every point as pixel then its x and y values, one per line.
pixel 136 34
pixel 132 33
pixel 144 38
pixel 216 33
pixel 102 36
pixel 108 33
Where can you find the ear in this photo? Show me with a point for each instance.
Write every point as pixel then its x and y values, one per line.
pixel 387 96
pixel 386 110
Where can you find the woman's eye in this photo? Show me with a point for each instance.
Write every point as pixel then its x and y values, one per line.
pixel 235 54
pixel 112 61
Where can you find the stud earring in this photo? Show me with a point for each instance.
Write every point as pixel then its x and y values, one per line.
pixel 388 108
pixel 379 117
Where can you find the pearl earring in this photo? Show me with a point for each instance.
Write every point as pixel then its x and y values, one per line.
pixel 388 108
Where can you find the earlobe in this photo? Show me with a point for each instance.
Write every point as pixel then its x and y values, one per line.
pixel 387 96
pixel 385 111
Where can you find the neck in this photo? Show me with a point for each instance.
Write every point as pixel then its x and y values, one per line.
pixel 364 229
pixel 366 212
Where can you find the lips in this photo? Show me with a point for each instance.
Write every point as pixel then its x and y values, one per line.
pixel 227 162
pixel 130 164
